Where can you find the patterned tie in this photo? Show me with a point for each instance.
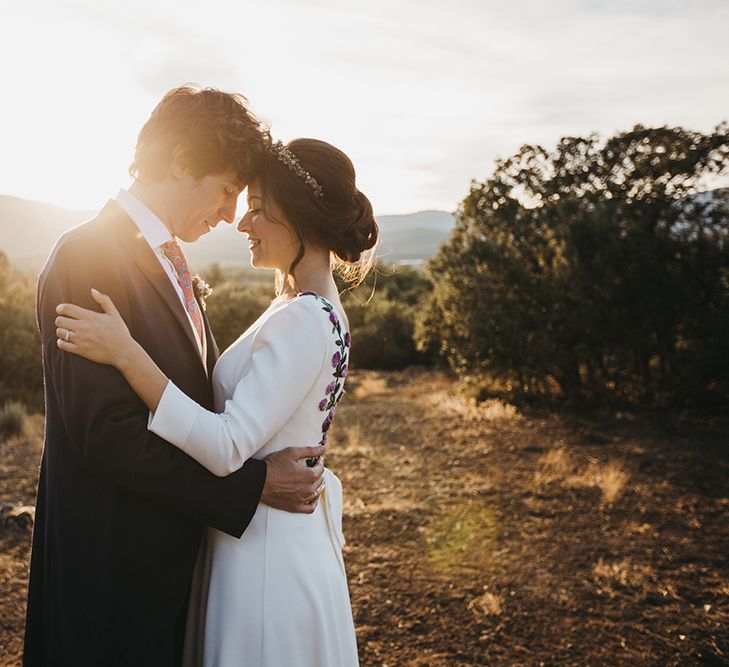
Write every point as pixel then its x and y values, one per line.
pixel 173 252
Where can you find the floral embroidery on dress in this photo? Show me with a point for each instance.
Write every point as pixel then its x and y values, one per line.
pixel 340 364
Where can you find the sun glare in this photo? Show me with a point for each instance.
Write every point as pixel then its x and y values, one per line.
pixel 422 111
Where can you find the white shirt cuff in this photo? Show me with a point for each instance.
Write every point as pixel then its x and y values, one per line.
pixel 174 418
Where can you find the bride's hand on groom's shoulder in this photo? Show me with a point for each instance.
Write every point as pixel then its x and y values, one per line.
pixel 101 337
pixel 290 485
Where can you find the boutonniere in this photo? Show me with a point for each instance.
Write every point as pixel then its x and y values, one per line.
pixel 202 289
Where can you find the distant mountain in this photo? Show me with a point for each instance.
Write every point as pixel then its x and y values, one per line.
pixel 414 238
pixel 28 230
pixel 404 239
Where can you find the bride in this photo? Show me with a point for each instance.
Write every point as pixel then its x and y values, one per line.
pixel 278 595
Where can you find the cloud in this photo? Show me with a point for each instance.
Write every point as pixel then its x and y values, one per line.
pixel 422 94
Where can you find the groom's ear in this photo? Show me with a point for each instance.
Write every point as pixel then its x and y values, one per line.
pixel 179 163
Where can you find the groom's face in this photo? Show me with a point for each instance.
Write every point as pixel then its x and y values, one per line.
pixel 203 203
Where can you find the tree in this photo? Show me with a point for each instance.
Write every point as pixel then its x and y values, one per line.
pixel 598 268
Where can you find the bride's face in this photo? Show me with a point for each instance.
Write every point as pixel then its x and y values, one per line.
pixel 271 240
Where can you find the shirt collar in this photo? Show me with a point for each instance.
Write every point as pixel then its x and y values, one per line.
pixel 152 228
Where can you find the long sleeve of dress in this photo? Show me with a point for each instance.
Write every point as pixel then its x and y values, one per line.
pixel 289 351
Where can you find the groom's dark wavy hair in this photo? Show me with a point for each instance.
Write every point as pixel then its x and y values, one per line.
pixel 215 130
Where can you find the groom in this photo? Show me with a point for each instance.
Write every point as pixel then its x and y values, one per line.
pixel 120 513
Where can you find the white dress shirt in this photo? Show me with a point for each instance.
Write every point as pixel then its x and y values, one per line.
pixel 156 234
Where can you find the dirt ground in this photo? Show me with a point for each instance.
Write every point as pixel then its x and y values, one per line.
pixel 488 536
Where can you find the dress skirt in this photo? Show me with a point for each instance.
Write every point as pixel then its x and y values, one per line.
pixel 276 597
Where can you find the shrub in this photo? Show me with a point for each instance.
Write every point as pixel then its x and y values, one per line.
pixel 382 334
pixel 12 419
pixel 21 374
pixel 382 314
pixel 234 306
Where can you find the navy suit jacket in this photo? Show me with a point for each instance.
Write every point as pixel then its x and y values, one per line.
pixel 120 512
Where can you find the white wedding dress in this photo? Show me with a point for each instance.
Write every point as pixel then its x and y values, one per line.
pixel 276 597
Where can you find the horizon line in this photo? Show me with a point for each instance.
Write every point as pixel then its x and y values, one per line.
pixel 93 210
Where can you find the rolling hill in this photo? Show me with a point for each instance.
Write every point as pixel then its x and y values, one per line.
pixel 28 230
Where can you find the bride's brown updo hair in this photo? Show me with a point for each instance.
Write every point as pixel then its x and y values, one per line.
pixel 341 220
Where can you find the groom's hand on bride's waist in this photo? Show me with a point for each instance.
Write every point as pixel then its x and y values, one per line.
pixel 292 484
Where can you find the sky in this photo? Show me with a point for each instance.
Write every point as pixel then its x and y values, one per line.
pixel 423 95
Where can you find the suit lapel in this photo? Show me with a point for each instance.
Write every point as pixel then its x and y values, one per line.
pixel 212 346
pixel 131 238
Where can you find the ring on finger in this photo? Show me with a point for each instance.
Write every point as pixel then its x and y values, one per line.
pixel 68 335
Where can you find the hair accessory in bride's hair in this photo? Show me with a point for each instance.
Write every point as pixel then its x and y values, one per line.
pixel 285 156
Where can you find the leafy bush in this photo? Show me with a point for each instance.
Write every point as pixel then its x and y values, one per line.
pixel 382 314
pixel 382 334
pixel 21 374
pixel 234 305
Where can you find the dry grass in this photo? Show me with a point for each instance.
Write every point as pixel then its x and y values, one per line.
pixel 486 605
pixel 370 385
pixel 610 478
pixel 456 405
pixel 637 528
pixel 582 572
pixel 493 409
pixel 354 440
pixel 553 466
pixel 609 577
pixel 557 465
